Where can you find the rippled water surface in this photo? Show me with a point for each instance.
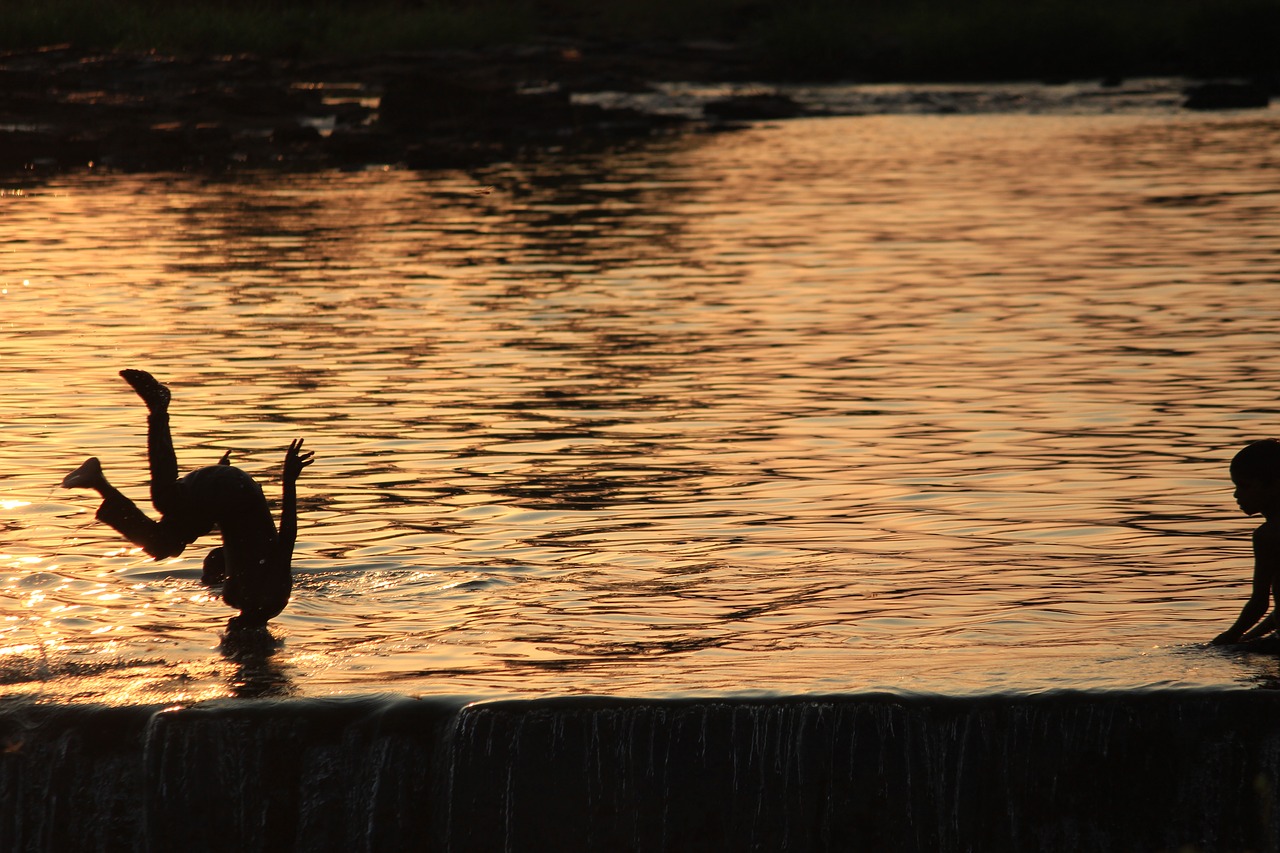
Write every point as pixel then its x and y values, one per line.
pixel 898 402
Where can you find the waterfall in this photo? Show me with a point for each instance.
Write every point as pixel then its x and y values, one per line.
pixel 1077 771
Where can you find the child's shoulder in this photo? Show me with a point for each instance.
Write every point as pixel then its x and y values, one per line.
pixel 1267 534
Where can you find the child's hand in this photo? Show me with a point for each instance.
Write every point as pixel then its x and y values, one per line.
pixel 295 459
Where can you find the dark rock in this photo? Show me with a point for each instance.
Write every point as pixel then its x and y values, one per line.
pixel 63 109
pixel 441 155
pixel 437 106
pixel 19 149
pixel 758 107
pixel 351 148
pixel 260 99
pixel 419 101
pixel 137 149
pixel 294 134
pixel 1227 96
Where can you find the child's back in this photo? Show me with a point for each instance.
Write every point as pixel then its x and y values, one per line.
pixel 257 573
pixel 1255 470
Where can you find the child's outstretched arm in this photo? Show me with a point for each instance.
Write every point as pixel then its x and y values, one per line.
pixel 1253 610
pixel 295 459
pixel 1262 629
pixel 1264 578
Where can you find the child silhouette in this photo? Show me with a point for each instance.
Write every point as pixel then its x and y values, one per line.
pixel 1256 474
pixel 253 563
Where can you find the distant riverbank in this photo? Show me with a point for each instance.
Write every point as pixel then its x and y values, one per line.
pixel 124 85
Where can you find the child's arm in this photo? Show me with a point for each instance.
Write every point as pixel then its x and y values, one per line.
pixel 295 459
pixel 1265 558
pixel 1257 632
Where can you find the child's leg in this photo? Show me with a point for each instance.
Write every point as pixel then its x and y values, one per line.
pixel 156 538
pixel 163 462
pixel 161 457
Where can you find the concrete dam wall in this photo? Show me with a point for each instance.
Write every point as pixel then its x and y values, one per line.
pixel 1136 771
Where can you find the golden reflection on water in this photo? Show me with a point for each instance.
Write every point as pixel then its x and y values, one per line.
pixel 900 402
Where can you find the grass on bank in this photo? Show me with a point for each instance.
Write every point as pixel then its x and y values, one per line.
pixel 848 39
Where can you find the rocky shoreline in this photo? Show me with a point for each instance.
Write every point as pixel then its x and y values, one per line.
pixel 65 110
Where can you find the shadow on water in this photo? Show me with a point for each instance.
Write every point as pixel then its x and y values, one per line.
pixel 257 675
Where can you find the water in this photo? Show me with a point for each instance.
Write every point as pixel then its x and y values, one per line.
pixel 903 402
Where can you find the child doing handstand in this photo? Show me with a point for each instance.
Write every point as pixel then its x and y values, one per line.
pixel 1256 474
pixel 253 563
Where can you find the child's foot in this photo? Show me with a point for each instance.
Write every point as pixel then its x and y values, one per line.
pixel 87 476
pixel 155 395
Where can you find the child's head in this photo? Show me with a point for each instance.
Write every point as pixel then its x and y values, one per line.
pixel 1256 473
pixel 1258 463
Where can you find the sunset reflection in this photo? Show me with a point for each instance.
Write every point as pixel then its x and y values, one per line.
pixel 870 403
